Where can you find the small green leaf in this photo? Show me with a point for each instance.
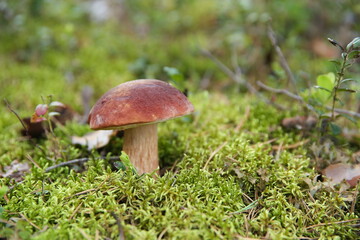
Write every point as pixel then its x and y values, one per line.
pixel 246 208
pixel 326 80
pixel 119 165
pixel 355 43
pixel 176 77
pixel 126 161
pixel 336 62
pixel 325 85
pixel 348 80
pixel 346 90
pixel 335 129
pixel 354 54
pixel 325 116
pixel 353 120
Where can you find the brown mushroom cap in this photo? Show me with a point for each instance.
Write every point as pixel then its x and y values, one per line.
pixel 138 102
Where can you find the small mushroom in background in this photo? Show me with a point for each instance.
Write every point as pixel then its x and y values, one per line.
pixel 136 107
pixel 299 122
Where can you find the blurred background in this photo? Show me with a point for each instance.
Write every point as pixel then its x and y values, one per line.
pixel 50 47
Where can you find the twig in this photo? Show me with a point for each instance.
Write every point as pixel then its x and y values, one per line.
pixel 83 192
pixel 331 223
pixel 214 153
pixel 236 78
pixel 291 146
pixel 75 211
pixel 79 160
pixel 161 235
pixel 297 97
pixel 282 59
pixel 222 66
pixel 278 151
pixel 243 120
pixel 260 144
pixel 121 230
pixel 7 222
pixel 281 91
pixel 17 115
pixel 248 238
pixel 32 160
pixel 350 113
pixel 31 223
pixel 353 204
pixel 85 235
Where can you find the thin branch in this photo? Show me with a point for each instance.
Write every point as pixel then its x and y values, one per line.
pixel 282 59
pixel 222 66
pixel 331 223
pixel 243 119
pixel 297 97
pixel 118 223
pixel 214 153
pixel 287 93
pixel 30 222
pixel 235 77
pixel 17 115
pixel 291 146
pixel 281 91
pixel 350 113
pixel 79 160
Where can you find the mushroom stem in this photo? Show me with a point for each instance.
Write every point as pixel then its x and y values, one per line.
pixel 141 145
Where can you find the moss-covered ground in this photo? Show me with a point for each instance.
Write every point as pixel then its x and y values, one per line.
pixel 228 171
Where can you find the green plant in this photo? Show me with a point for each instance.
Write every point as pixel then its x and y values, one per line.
pixel 351 52
pixel 330 85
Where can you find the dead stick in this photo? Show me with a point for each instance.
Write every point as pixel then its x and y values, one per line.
pixel 291 146
pixel 243 120
pixel 75 211
pixel 214 153
pixel 31 223
pixel 297 97
pixel 282 59
pixel 235 77
pixel 79 160
pixel 17 115
pixel 353 204
pixel 121 231
pixel 222 66
pixel 281 91
pixel 330 223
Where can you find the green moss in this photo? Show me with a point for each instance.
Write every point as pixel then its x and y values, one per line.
pixel 201 199
pixel 221 178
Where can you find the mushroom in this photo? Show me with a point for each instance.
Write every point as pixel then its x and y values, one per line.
pixel 136 107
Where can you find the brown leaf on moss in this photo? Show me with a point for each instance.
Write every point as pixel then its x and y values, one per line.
pixel 341 171
pixel 16 170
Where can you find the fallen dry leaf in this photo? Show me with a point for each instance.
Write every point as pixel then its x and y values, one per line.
pixel 341 171
pixel 16 170
pixel 96 139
